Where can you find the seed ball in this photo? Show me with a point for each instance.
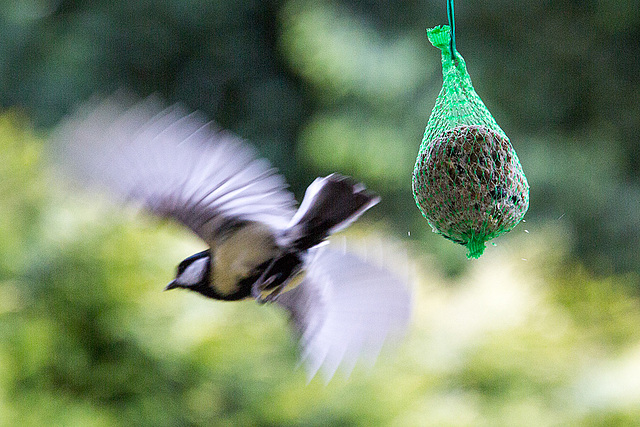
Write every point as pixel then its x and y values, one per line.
pixel 470 187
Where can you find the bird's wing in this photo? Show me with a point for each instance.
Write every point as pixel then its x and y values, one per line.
pixel 345 309
pixel 176 164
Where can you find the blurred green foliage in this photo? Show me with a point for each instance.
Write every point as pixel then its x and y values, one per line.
pixel 350 85
pixel 87 338
pixel 540 331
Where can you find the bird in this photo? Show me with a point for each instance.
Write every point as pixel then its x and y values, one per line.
pixel 176 164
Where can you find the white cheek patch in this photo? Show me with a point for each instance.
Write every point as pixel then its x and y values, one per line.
pixel 194 273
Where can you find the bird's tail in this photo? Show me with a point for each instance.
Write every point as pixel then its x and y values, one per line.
pixel 330 204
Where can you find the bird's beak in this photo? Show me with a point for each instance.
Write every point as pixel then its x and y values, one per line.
pixel 172 285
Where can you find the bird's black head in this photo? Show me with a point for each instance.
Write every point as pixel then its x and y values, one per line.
pixel 193 272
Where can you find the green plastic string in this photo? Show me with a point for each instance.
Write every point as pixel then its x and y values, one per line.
pixel 452 26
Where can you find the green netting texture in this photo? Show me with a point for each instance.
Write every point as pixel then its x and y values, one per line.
pixel 467 182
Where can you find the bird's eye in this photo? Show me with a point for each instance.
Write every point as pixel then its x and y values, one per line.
pixel 187 261
pixel 183 266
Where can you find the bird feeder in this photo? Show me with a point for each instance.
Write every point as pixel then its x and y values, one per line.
pixel 467 181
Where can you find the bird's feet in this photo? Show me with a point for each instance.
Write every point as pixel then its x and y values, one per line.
pixel 261 292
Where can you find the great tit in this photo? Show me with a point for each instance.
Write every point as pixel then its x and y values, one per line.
pixel 178 165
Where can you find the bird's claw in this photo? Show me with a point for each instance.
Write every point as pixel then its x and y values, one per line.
pixel 258 288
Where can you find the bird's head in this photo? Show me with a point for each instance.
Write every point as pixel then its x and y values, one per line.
pixel 193 272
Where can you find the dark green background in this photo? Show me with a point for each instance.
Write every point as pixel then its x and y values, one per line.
pixel 319 87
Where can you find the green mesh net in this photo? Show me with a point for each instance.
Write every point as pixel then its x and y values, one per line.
pixel 467 182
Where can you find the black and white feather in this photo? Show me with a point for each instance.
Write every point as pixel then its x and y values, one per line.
pixel 178 165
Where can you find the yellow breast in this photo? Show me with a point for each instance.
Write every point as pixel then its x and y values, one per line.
pixel 238 254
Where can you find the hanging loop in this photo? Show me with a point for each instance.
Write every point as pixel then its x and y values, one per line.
pixel 452 26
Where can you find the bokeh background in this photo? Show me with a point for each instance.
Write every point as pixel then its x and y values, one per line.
pixel 544 329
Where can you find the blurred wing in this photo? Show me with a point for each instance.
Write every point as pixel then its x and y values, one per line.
pixel 174 163
pixel 345 309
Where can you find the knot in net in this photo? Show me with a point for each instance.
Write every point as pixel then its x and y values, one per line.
pixel 467 182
